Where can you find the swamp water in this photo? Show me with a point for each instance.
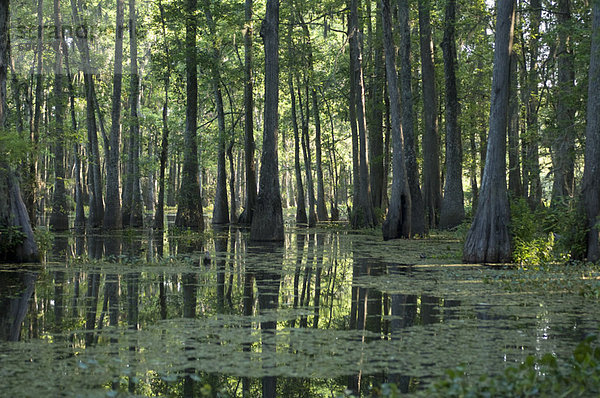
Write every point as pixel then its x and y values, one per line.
pixel 325 313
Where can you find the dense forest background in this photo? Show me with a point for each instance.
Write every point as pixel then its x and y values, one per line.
pixel 371 111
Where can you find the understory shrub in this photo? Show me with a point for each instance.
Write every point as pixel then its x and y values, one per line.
pixel 544 235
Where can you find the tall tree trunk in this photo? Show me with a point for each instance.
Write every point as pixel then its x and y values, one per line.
pixel 31 185
pixel 79 222
pixel 591 175
pixel 353 120
pixel 514 165
pixel 432 189
pixel 398 221
pixel 59 219
pixel 301 217
pixel 532 186
pixel 418 226
pixel 133 207
pixel 112 214
pixel 189 206
pixel 452 211
pixel 96 202
pixel 363 215
pixel 321 207
pixel 221 204
pixel 13 213
pixel 159 217
pixel 563 145
pixel 488 239
pixel 247 214
pixel 310 186
pixel 267 222
pixel 376 117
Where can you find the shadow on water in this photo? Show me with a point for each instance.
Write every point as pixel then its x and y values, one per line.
pixel 187 314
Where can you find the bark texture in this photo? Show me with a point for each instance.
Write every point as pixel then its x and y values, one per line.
pixel 189 206
pixel 221 204
pixel 13 213
pixel 267 222
pixel 247 214
pixel 563 145
pixel 488 239
pixel 591 174
pixel 398 221
pixel 418 226
pixel 452 211
pixel 59 219
pixel 363 215
pixel 432 188
pixel 112 215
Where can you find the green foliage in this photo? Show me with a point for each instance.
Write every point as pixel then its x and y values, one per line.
pixel 44 238
pixel 567 221
pixel 10 238
pixel 549 234
pixel 577 376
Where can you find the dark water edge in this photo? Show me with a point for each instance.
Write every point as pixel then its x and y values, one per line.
pixel 326 311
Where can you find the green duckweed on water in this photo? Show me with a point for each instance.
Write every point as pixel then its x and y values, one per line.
pixel 326 313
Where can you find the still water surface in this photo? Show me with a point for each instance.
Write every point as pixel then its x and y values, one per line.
pixel 325 312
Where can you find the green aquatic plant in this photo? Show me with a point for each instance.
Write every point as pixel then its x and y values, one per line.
pixel 548 376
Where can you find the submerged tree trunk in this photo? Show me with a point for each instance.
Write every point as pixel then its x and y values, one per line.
pixel 563 145
pixel 247 214
pixel 418 226
pixel 112 214
pixel 398 221
pixel 452 211
pixel 363 215
pixel 59 219
pixel 432 190
pixel 591 175
pixel 267 222
pixel 489 240
pixel 189 206
pixel 13 213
